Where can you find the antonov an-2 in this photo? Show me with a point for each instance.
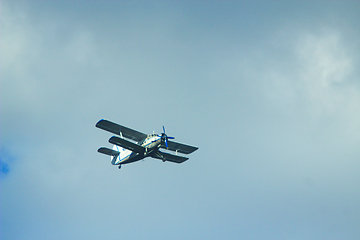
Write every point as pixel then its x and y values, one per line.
pixel 140 145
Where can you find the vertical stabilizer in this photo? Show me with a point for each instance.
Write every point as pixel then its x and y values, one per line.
pixel 115 160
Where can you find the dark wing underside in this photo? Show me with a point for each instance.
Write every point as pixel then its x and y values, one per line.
pixel 108 151
pixel 127 144
pixel 179 147
pixel 169 157
pixel 121 130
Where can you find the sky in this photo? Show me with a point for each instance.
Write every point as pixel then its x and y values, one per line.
pixel 268 90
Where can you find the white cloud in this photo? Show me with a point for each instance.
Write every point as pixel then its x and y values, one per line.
pixel 325 81
pixel 271 117
pixel 324 58
pixel 325 67
pixel 315 78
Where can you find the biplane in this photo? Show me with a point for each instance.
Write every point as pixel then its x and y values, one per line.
pixel 131 146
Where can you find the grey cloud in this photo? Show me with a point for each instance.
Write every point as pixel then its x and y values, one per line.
pixel 274 113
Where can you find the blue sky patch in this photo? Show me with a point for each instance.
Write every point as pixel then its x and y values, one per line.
pixel 4 167
pixel 5 158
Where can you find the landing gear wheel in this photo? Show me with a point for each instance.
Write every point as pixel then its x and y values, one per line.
pixel 119 166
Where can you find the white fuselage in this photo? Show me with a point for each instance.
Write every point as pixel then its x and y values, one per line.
pixel 151 143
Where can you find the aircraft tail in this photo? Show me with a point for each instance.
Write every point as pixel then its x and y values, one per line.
pixel 116 160
pixel 113 153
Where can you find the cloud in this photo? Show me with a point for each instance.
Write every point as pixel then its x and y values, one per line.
pixel 326 81
pixel 325 67
pixel 305 105
pixel 311 73
pixel 275 118
pixel 324 58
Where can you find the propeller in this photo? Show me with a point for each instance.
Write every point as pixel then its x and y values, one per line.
pixel 165 137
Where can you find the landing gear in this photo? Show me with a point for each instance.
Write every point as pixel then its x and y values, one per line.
pixel 120 166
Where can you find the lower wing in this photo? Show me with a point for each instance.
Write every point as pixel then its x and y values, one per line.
pixel 179 147
pixel 169 157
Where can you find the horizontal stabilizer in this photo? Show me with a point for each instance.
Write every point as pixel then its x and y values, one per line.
pixel 108 151
pixel 179 147
pixel 127 144
pixel 169 157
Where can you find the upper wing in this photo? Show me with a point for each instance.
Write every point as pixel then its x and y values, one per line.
pixel 169 157
pixel 117 129
pixel 179 147
pixel 127 144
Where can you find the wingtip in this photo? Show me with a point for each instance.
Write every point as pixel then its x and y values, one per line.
pixel 96 125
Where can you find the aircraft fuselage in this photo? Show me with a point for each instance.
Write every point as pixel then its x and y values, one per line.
pixel 152 143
